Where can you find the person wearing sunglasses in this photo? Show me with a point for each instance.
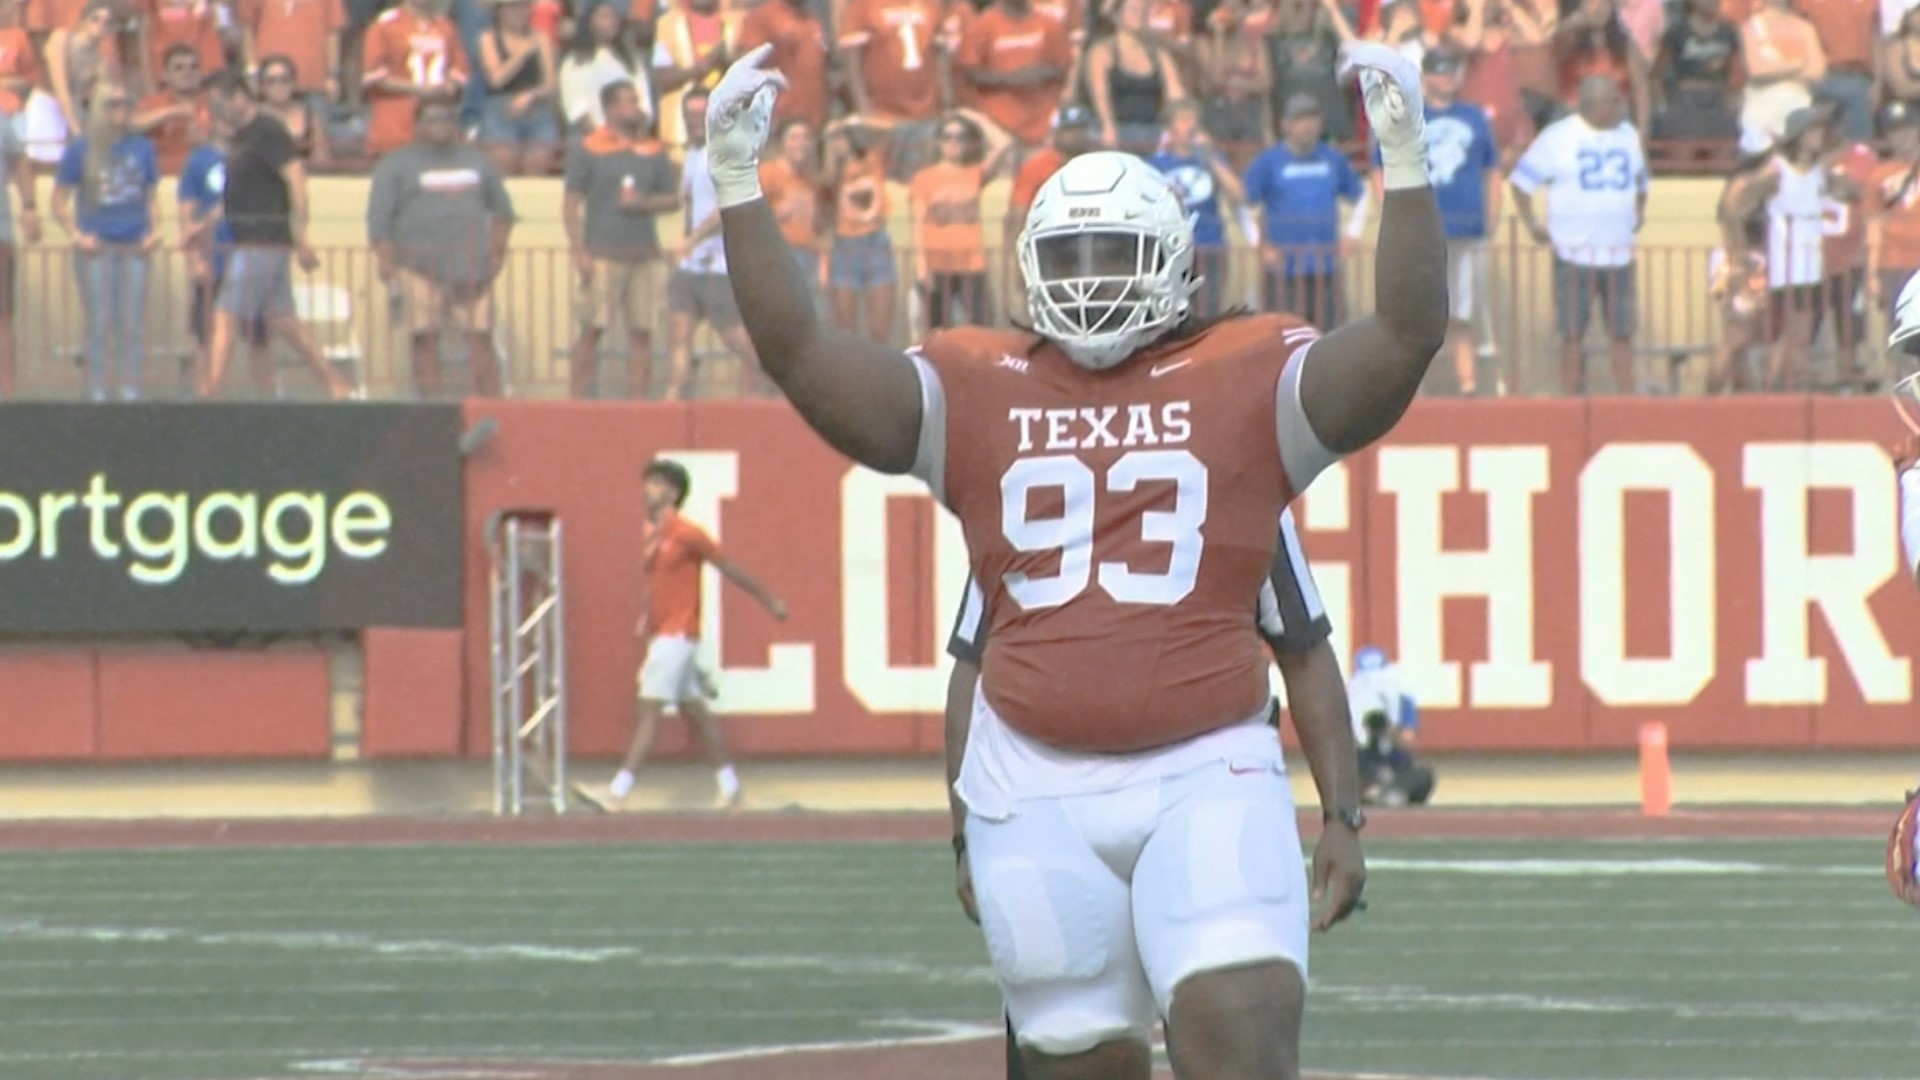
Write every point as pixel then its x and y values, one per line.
pixel 103 198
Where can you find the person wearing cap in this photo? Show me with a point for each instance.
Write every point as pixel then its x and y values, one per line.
pixel 1298 184
pixel 1463 164
pixel 1893 206
pixel 1594 174
pixel 1793 190
pixel 1074 133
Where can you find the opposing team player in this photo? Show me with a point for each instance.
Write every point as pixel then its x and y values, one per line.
pixel 1118 473
pixel 1903 845
pixel 1293 620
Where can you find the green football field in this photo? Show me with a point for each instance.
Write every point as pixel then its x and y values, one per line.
pixel 1497 959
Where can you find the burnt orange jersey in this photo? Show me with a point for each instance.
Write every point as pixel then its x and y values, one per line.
pixel 419 51
pixel 1120 524
pixel 799 53
pixel 896 39
pixel 998 42
pixel 673 551
pixel 1070 14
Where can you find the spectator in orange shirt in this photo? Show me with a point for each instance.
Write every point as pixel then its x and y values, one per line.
pixel 794 190
pixel 412 53
pixel 898 60
pixel 306 32
pixel 1073 135
pixel 19 61
pixel 945 197
pixel 193 23
pixel 861 274
pixel 893 59
pixel 1017 61
pixel 1784 59
pixel 799 52
pixel 174 118
pixel 673 550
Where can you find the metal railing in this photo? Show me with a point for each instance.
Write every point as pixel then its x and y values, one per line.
pixel 537 302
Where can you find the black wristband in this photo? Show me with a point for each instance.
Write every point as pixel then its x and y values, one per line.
pixel 959 844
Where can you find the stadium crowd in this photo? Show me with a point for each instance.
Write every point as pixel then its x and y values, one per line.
pixel 902 112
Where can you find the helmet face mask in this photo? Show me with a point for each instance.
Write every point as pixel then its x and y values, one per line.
pixel 1107 254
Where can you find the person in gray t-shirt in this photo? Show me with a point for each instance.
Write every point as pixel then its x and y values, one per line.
pixel 618 180
pixel 439 216
pixel 17 170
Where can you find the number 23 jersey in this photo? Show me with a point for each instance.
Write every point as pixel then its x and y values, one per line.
pixel 1120 523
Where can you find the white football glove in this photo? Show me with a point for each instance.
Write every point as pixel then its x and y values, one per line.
pixel 1396 110
pixel 739 115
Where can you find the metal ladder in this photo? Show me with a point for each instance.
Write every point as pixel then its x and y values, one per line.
pixel 525 587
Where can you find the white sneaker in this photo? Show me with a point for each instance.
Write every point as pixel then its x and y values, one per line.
pixel 621 787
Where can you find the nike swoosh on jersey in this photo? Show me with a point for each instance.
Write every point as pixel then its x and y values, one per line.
pixel 1162 369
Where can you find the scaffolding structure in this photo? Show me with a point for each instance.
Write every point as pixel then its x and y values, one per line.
pixel 526 590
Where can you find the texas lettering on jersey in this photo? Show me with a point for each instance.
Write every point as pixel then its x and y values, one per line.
pixel 1120 524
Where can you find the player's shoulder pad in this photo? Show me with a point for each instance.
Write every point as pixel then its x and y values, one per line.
pixel 976 347
pixel 1263 338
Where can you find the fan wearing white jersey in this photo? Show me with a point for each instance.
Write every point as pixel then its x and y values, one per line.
pixel 1595 177
pixel 1117 472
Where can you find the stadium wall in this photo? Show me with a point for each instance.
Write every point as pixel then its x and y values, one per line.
pixel 1549 574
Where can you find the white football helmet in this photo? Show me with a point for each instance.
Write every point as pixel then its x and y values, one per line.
pixel 1108 258
pixel 1905 336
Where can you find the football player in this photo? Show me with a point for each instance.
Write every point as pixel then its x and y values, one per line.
pixel 1293 620
pixel 1903 844
pixel 1118 471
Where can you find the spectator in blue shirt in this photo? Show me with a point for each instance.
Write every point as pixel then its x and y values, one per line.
pixel 114 174
pixel 207 239
pixel 1463 163
pixel 1298 185
pixel 1201 174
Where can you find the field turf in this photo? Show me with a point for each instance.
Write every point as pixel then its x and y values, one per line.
pixel 1650 959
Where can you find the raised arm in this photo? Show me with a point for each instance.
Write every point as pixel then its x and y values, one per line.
pixel 1358 380
pixel 862 397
